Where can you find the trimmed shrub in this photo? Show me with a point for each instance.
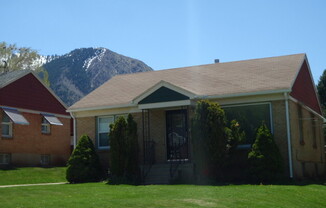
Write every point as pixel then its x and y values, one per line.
pixel 264 158
pixel 84 164
pixel 124 164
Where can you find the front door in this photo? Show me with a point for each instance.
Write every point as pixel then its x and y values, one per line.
pixel 177 134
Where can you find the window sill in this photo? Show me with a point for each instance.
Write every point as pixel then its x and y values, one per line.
pixel 44 133
pixel 102 149
pixel 244 146
pixel 7 137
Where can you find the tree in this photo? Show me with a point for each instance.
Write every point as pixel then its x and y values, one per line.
pixel 212 140
pixel 132 169
pixel 21 58
pixel 84 164
pixel 264 158
pixel 124 164
pixel 321 88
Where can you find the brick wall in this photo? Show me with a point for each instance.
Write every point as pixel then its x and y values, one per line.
pixel 308 154
pixel 280 131
pixel 28 143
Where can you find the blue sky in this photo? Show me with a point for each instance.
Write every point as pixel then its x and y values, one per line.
pixel 171 33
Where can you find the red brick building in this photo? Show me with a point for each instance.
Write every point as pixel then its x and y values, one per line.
pixel 35 127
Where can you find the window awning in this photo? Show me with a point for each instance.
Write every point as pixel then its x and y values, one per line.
pixel 52 119
pixel 15 116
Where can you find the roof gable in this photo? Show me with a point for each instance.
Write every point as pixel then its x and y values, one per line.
pixel 304 90
pixel 162 92
pixel 28 92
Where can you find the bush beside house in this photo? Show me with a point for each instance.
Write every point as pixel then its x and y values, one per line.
pixel 213 141
pixel 264 158
pixel 84 164
pixel 124 166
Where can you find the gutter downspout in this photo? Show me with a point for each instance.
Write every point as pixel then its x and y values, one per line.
pixel 286 96
pixel 75 129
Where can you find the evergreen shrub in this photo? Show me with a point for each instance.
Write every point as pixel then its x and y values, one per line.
pixel 84 164
pixel 264 158
pixel 124 165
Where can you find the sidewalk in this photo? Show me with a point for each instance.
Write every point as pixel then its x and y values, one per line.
pixel 38 184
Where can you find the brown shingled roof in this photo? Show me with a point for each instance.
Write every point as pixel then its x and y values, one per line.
pixel 239 77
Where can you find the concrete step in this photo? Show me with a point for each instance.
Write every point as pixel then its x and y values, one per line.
pixel 160 173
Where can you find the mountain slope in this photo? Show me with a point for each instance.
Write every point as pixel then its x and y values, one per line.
pixel 74 75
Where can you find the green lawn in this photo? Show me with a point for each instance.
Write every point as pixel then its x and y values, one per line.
pixel 32 175
pixel 102 195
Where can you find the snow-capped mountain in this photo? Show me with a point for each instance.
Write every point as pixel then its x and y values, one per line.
pixel 79 72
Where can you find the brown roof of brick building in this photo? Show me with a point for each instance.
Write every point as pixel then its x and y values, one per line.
pixel 219 79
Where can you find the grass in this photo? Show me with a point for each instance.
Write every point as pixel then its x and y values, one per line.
pixel 32 175
pixel 102 195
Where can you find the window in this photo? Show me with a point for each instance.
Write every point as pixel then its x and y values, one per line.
pixel 45 159
pixel 103 129
pixel 250 117
pixel 47 121
pixel 46 127
pixel 4 159
pixel 6 127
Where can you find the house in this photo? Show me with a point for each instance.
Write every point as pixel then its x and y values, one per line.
pixel 277 90
pixel 35 127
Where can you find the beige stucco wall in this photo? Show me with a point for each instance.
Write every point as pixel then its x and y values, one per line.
pixel 308 156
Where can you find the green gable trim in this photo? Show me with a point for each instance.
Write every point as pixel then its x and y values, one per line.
pixel 163 94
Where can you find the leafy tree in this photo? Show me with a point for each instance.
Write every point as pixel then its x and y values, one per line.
pixel 212 140
pixel 124 165
pixel 321 87
pixel 264 158
pixel 21 58
pixel 84 164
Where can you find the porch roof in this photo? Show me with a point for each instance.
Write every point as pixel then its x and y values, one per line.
pixel 265 75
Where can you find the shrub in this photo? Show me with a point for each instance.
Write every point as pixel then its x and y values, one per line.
pixel 264 158
pixel 124 165
pixel 83 164
pixel 213 141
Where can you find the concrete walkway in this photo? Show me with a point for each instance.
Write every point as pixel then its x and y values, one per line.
pixel 38 184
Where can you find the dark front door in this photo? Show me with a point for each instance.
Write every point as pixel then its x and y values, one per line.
pixel 177 134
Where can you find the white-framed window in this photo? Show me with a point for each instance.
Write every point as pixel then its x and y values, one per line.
pixel 6 126
pixel 45 159
pixel 4 159
pixel 103 129
pixel 45 126
pixel 250 117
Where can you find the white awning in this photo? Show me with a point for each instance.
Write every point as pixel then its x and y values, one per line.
pixel 15 116
pixel 52 119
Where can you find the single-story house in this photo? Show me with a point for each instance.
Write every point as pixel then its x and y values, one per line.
pixel 35 127
pixel 277 90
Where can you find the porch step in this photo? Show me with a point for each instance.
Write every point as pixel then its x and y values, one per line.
pixel 160 173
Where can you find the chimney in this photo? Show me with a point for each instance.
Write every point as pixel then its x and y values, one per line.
pixel 217 61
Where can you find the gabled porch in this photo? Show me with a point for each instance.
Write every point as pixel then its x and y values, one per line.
pixel 165 137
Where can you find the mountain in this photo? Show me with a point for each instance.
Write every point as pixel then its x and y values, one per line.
pixel 75 74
